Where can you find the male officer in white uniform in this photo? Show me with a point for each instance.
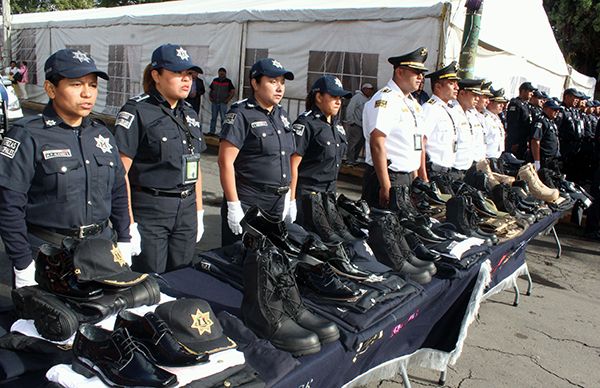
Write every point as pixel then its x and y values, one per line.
pixel 392 125
pixel 468 96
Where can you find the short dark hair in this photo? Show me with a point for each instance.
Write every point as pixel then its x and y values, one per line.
pixel 222 69
pixel 54 79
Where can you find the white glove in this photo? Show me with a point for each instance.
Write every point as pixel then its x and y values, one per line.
pixel 292 211
pixel 235 213
pixel 126 249
pixel 200 225
pixel 286 206
pixel 136 239
pixel 537 165
pixel 25 277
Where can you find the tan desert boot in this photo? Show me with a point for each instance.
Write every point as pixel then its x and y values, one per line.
pixel 537 188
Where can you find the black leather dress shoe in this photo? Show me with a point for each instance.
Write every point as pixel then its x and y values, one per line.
pixel 341 264
pixel 116 359
pixel 420 250
pixel 448 231
pixel 156 340
pixel 356 209
pixel 422 231
pixel 271 227
pixel 429 188
pixel 481 204
pixel 322 280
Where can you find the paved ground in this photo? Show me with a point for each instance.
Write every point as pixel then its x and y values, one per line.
pixel 550 340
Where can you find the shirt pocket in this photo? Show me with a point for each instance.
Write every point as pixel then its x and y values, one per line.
pixel 165 144
pixel 60 177
pixel 265 140
pixel 104 174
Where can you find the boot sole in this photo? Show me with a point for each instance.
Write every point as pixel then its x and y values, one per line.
pixel 89 371
pixel 299 352
pixel 52 320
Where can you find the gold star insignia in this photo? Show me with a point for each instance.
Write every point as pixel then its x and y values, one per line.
pixel 202 322
pixel 118 256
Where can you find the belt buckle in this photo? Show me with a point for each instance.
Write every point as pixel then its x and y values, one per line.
pixel 84 229
pixel 282 190
pixel 185 193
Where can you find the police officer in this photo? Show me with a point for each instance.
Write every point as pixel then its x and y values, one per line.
pixel 60 173
pixel 393 129
pixel 320 140
pixel 544 140
pixel 570 132
pixel 440 125
pixel 468 95
pixel 518 120
pixel 160 141
pixel 255 149
pixel 480 129
pixel 494 129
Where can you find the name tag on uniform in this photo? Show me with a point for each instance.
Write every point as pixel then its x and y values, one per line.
pixel 258 124
pixel 51 154
pixel 418 139
pixel 190 168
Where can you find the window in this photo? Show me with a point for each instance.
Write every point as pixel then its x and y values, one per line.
pixel 125 72
pixel 353 69
pixel 24 50
pixel 252 56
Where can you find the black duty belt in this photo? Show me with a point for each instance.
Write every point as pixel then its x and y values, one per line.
pixel 167 193
pixel 278 190
pixel 437 168
pixel 54 234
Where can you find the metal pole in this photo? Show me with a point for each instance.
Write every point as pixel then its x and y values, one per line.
pixel 470 39
pixel 6 27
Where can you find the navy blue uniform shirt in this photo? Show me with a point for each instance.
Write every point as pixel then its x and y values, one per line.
pixel 546 132
pixel 322 146
pixel 155 141
pixel 518 119
pixel 265 141
pixel 59 177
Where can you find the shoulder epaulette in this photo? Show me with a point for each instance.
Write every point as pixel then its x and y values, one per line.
pixel 139 97
pixel 386 90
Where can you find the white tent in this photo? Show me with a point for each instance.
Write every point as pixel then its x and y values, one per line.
pixel 349 38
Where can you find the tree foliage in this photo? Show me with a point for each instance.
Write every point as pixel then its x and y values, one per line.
pixel 576 25
pixel 25 6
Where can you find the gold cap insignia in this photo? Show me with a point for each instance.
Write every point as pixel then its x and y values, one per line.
pixel 423 51
pixel 118 256
pixel 202 322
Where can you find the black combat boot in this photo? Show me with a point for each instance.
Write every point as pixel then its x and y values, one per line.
pixel 54 272
pixel 335 219
pixel 271 227
pixel 386 247
pixel 315 218
pixel 262 306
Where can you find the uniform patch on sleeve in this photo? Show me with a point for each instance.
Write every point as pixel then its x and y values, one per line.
pixel 380 104
pixel 124 119
pixel 298 129
pixel 230 118
pixel 9 147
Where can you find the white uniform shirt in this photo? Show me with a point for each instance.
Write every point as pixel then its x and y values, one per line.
pixel 440 129
pixel 494 135
pixel 465 141
pixel 478 122
pixel 400 118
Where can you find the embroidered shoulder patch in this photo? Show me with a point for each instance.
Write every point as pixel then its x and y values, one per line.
pixel 140 97
pixel 124 119
pixel 298 129
pixel 380 104
pixel 230 118
pixel 9 147
pixel 386 90
pixel 431 101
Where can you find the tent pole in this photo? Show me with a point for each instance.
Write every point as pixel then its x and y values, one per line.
pixel 444 26
pixel 6 27
pixel 470 39
pixel 242 73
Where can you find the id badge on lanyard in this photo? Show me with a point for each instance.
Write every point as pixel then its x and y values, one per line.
pixel 418 142
pixel 190 166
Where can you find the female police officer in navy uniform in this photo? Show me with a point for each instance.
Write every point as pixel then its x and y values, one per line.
pixel 60 173
pixel 255 149
pixel 320 141
pixel 160 141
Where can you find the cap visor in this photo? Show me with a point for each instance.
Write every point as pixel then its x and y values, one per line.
pixel 124 279
pixel 212 346
pixel 77 73
pixel 341 93
pixel 286 74
pixel 182 67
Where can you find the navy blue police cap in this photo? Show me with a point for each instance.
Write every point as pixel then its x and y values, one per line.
pixel 551 104
pixel 271 68
pixel 415 59
pixel 331 85
pixel 472 85
pixel 70 63
pixel 540 94
pixel 498 95
pixel 174 58
pixel 573 92
pixel 527 86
